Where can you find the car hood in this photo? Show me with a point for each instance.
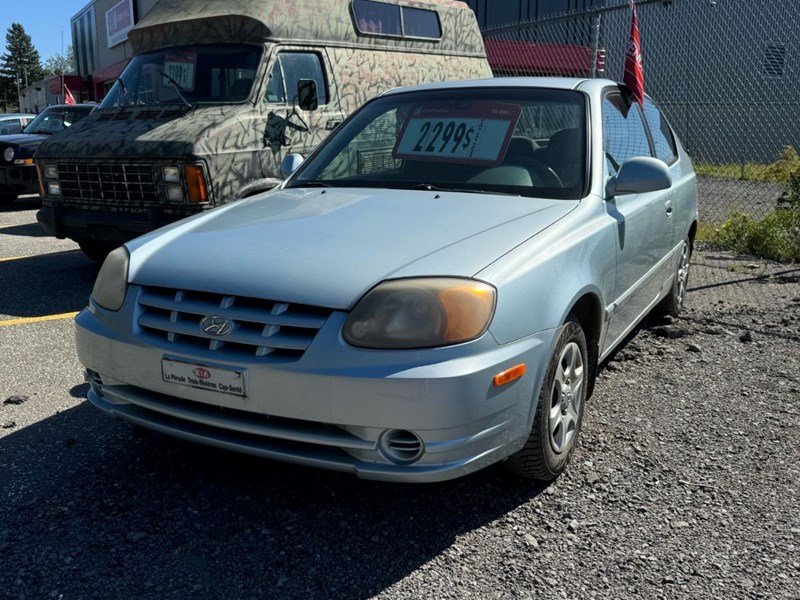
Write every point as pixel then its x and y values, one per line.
pixel 143 132
pixel 23 141
pixel 328 247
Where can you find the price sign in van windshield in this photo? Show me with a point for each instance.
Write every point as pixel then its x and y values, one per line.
pixel 476 134
pixel 180 66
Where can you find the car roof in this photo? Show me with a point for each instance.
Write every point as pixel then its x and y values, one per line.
pixel 561 83
pixel 71 106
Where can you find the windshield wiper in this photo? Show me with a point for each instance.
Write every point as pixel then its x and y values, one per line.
pixel 177 87
pixel 319 184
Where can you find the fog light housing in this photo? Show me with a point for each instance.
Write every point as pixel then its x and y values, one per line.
pixel 174 193
pixel 50 172
pixel 171 174
pixel 401 446
pixel 53 188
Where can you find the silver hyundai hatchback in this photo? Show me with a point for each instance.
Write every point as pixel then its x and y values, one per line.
pixel 429 293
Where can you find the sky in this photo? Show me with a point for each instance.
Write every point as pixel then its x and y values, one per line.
pixel 43 20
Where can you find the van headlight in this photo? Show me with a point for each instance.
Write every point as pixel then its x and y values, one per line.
pixel 112 281
pixel 421 313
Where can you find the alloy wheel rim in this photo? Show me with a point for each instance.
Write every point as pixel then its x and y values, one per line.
pixel 565 398
pixel 683 274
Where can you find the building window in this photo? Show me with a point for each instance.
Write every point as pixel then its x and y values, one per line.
pixel 774 59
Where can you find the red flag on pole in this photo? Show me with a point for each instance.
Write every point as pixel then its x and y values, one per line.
pixel 634 76
pixel 68 98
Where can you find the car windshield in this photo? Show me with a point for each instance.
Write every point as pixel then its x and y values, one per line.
pixel 53 120
pixel 522 141
pixel 188 75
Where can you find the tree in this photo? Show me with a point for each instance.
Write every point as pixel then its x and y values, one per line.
pixel 20 64
pixel 60 64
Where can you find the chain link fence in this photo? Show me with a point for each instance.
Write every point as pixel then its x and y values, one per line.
pixel 727 75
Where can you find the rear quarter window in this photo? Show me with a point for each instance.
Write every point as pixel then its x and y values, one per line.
pixel 663 140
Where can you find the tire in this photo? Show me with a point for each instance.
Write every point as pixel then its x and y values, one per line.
pixel 559 410
pixel 672 304
pixel 97 251
pixel 7 198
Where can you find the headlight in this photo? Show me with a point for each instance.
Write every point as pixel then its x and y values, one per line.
pixel 421 313
pixel 8 154
pixel 53 188
pixel 112 281
pixel 171 174
pixel 50 172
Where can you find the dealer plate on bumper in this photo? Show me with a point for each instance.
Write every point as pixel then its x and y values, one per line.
pixel 214 379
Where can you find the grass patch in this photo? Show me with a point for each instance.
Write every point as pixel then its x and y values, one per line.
pixel 780 171
pixel 747 172
pixel 777 234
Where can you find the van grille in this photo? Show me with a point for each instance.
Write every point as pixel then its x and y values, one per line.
pixel 115 182
pixel 274 331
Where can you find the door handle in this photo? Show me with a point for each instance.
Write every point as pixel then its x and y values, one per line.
pixel 668 207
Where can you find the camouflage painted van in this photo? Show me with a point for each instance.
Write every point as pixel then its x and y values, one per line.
pixel 208 107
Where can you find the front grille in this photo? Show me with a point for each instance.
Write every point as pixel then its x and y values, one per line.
pixel 133 184
pixel 273 331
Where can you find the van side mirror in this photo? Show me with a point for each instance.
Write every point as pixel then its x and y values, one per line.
pixel 290 164
pixel 639 175
pixel 307 94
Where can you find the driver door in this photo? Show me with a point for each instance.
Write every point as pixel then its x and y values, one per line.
pixel 288 129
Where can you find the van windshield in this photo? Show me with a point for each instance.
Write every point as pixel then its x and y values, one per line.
pixel 219 73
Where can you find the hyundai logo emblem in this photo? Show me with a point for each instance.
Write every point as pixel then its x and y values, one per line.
pixel 216 325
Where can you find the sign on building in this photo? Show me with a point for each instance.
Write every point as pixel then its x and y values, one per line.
pixel 119 21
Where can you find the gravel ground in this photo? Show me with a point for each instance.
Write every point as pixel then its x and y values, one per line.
pixel 685 486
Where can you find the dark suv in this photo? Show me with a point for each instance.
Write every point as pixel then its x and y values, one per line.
pixel 17 171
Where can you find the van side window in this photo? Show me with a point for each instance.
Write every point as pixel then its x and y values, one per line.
pixel 663 140
pixel 288 70
pixel 379 18
pixel 624 135
pixel 418 22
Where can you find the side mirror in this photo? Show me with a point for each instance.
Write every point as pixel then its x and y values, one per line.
pixel 290 164
pixel 639 175
pixel 307 94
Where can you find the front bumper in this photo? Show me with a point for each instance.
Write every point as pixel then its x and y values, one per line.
pixel 113 226
pixel 19 179
pixel 332 413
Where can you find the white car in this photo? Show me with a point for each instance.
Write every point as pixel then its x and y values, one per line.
pixel 429 293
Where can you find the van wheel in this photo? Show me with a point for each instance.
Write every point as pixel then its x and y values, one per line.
pixel 559 411
pixel 672 304
pixel 7 198
pixel 97 251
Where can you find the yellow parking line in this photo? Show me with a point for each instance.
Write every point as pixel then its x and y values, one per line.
pixel 13 258
pixel 38 319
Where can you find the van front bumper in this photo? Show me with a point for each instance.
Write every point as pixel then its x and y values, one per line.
pixel 107 226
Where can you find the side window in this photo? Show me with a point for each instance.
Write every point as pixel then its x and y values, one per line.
pixel 289 69
pixel 9 127
pixel 663 140
pixel 377 17
pixel 624 135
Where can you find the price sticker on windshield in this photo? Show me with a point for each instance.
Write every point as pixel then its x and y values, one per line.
pixel 476 134
pixel 180 66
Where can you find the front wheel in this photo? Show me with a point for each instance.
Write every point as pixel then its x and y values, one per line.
pixel 559 411
pixel 672 304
